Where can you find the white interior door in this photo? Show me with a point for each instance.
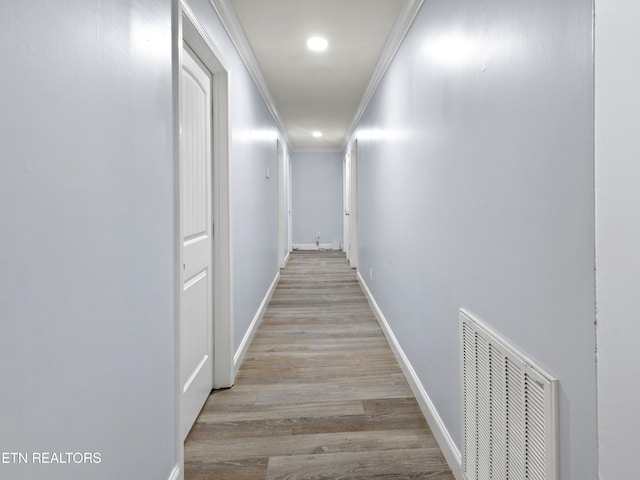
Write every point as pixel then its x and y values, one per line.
pixel 196 317
pixel 346 189
pixel 282 206
pixel 289 207
pixel 353 208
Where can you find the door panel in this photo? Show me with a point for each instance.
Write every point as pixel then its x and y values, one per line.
pixel 196 317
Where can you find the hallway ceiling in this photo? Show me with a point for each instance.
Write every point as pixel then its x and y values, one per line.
pixel 320 91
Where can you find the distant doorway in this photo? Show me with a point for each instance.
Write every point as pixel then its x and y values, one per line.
pixel 284 208
pixel 350 201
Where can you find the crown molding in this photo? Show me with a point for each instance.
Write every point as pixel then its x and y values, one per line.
pixel 231 24
pixel 400 28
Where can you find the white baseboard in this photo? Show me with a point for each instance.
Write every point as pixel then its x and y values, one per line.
pixel 444 439
pixel 313 246
pixel 246 341
pixel 176 473
pixel 285 260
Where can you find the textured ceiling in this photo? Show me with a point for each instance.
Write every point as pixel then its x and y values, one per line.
pixel 317 91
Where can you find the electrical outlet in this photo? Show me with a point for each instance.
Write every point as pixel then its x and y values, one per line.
pixel 371 274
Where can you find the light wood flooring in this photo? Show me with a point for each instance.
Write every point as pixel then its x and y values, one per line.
pixel 319 395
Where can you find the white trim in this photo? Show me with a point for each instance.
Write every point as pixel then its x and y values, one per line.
pixel 313 246
pixel 282 202
pixel 176 60
pixel 353 205
pixel 289 204
pixel 346 171
pixel 255 323
pixel 196 30
pixel 176 473
pixel 444 439
pixel 223 238
pixel 231 24
pixel 286 259
pixel 399 30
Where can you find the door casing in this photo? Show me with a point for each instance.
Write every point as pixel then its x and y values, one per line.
pixel 353 206
pixel 289 206
pixel 346 203
pixel 283 207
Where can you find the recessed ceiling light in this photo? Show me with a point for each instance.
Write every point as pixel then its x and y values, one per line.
pixel 317 134
pixel 317 44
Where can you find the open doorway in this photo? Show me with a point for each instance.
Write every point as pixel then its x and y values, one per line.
pixel 346 190
pixel 350 203
pixel 284 206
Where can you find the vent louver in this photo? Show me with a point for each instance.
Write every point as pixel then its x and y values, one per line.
pixel 509 410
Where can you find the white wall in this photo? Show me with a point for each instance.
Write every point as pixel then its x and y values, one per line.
pixel 475 190
pixel 87 244
pixel 87 198
pixel 618 235
pixel 254 198
pixel 317 197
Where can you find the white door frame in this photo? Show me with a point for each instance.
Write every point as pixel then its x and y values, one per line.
pixel 189 30
pixel 283 252
pixel 353 206
pixel 346 190
pixel 289 206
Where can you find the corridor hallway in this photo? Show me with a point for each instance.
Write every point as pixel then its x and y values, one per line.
pixel 319 395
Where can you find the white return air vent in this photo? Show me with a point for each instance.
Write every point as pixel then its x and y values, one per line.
pixel 509 410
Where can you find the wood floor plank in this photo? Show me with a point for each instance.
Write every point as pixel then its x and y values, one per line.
pixel 319 395
pixel 233 413
pixel 339 389
pixel 417 463
pixel 247 469
pixel 311 374
pixel 307 444
pixel 355 423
